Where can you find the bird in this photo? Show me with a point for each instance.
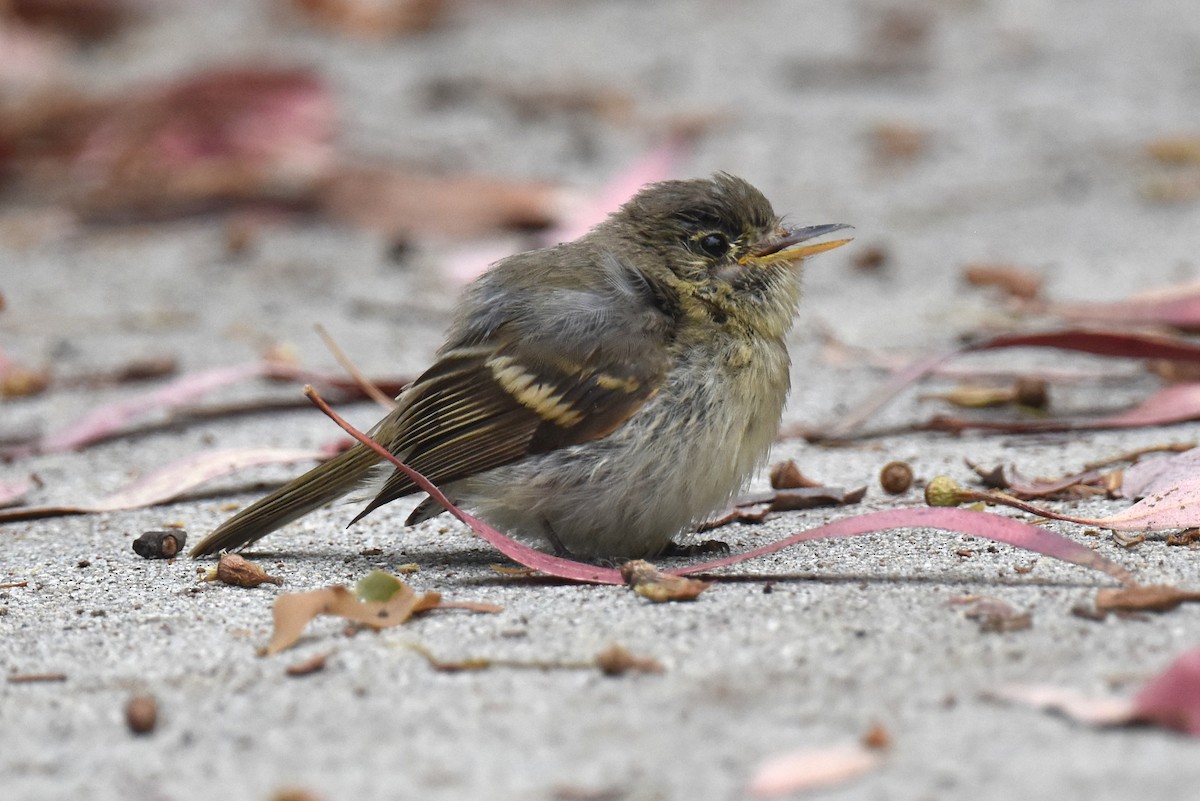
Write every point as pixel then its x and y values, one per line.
pixel 600 397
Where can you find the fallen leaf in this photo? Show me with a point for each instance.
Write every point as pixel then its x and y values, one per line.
pixel 371 19
pixel 647 581
pixel 787 475
pixel 1143 598
pixel 1182 149
pixel 379 601
pixel 1015 281
pixel 616 660
pixel 314 664
pixel 87 20
pixel 1160 473
pixel 12 492
pixel 1173 404
pixel 171 481
pixel 1175 306
pixel 1092 710
pixel 996 616
pixel 400 203
pixel 811 768
pixel 201 141
pixel 898 141
pixel 1172 699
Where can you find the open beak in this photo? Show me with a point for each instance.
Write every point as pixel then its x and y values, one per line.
pixel 784 248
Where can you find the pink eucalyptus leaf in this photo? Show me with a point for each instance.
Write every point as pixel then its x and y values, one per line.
pixel 811 768
pixel 963 521
pixel 1172 699
pixel 1178 307
pixel 169 482
pixel 651 167
pixel 1174 404
pixel 1094 710
pixel 1158 473
pixel 177 478
pixel 12 492
pixel 1172 506
pixel 108 419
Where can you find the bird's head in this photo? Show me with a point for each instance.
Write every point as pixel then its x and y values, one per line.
pixel 719 246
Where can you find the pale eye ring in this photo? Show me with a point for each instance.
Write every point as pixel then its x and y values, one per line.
pixel 715 244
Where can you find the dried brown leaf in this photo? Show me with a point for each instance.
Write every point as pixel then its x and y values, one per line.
pixel 314 664
pixel 1015 281
pixel 401 203
pixel 1182 149
pixel 615 660
pixel 997 616
pixel 1143 598
pixel 898 141
pixel 371 19
pixel 787 475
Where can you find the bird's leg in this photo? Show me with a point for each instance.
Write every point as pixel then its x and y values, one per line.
pixel 701 548
pixel 560 550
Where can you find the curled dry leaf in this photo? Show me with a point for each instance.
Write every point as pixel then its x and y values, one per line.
pixel 379 601
pixel 1143 598
pixel 647 581
pixel 787 475
pixel 240 572
pixel 811 768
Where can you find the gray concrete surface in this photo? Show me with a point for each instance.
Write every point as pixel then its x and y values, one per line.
pixel 1038 115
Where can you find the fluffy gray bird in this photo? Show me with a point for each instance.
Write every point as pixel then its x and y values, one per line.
pixel 603 395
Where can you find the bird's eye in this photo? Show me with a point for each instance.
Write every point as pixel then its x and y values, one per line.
pixel 715 245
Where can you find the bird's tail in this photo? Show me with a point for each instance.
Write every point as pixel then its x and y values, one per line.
pixel 317 487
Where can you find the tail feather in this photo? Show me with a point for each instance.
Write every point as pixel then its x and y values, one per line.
pixel 324 483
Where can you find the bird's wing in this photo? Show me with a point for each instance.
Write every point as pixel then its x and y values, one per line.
pixel 529 388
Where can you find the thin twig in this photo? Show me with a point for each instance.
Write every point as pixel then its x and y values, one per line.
pixel 369 389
